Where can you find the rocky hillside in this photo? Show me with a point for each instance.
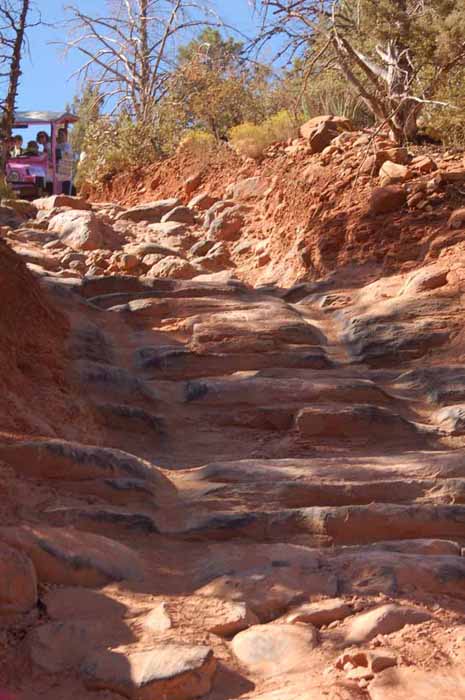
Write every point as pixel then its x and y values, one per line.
pixel 312 206
pixel 233 431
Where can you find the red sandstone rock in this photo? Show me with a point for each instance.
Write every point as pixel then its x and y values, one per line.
pixel 387 199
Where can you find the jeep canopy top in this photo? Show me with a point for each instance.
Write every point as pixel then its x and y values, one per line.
pixel 25 119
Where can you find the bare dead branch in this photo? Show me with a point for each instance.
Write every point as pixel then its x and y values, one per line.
pixel 131 53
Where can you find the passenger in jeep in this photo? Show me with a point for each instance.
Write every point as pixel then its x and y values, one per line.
pixel 32 149
pixel 18 146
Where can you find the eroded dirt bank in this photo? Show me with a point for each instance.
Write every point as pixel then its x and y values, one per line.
pixel 219 489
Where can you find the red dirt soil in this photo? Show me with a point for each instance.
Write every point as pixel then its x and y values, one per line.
pixel 35 394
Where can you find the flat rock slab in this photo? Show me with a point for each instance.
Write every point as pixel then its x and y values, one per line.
pixel 369 573
pixel 425 547
pixel 180 214
pixel 356 421
pixel 270 650
pixel 72 557
pixel 151 212
pixel 100 285
pixel 61 200
pixel 225 617
pixel 174 362
pixel 384 521
pixel 383 620
pixel 171 672
pixel 253 333
pixel 416 684
pixel 73 461
pixel 130 418
pixel 67 603
pixel 389 344
pixel 114 383
pixel 440 385
pixel 269 592
pixel 18 581
pixel 263 391
pixel 119 492
pixel 101 518
pixel 59 646
pixel 322 613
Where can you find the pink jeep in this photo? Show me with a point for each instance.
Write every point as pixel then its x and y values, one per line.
pixel 26 175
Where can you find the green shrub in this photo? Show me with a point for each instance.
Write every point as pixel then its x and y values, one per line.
pixel 112 146
pixel 197 142
pixel 282 126
pixel 249 139
pixel 252 140
pixel 328 93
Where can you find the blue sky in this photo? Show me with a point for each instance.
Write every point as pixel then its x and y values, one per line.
pixel 46 82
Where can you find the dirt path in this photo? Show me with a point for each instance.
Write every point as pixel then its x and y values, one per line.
pixel 263 486
pixel 309 471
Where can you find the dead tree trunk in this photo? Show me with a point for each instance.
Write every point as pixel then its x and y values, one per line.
pixel 17 28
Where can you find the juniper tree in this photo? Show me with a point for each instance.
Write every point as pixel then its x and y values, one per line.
pixel 394 54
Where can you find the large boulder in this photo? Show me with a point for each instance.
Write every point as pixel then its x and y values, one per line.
pixel 192 183
pixel 387 199
pixel 79 230
pixel 249 188
pixel 61 645
pixel 152 212
pixel 165 230
pixel 171 671
pixel 73 461
pixel 321 613
pixel 426 279
pixel 75 603
pixel 61 200
pixel 181 215
pixel 24 208
pixel 216 259
pixel 228 225
pixel 391 173
pixel 70 557
pixel 174 267
pixel 371 164
pixel 203 201
pixel 320 131
pixel 216 209
pixel 385 619
pixel 457 219
pixel 273 649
